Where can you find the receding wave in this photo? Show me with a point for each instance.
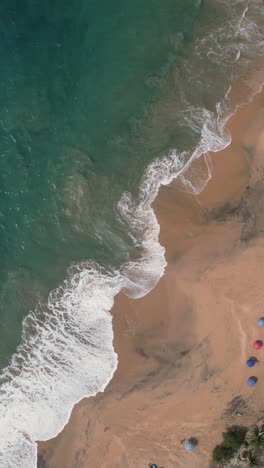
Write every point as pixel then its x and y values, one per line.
pixel 66 350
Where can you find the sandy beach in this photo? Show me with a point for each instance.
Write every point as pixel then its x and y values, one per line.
pixel 182 348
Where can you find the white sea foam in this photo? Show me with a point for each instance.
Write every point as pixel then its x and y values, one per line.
pixel 67 346
pixel 66 353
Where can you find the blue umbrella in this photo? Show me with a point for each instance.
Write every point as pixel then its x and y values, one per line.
pixel 260 322
pixel 251 362
pixel 251 381
pixel 190 445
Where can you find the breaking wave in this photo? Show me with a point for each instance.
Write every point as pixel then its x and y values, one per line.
pixel 66 351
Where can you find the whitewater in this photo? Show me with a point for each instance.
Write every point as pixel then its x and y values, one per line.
pixel 66 351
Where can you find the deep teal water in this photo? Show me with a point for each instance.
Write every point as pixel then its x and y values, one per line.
pixel 100 101
pixel 90 93
pixel 78 82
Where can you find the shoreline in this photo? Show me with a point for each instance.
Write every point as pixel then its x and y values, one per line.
pixel 133 346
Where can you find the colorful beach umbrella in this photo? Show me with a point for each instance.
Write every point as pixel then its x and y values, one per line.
pixel 189 445
pixel 257 344
pixel 251 381
pixel 251 362
pixel 260 322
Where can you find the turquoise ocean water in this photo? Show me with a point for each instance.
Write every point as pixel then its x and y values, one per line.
pixel 100 103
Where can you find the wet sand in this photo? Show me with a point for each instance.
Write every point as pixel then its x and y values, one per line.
pixel 182 348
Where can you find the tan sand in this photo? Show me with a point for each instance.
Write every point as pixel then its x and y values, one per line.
pixel 182 348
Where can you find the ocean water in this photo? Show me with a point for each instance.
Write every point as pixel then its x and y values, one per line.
pixel 101 103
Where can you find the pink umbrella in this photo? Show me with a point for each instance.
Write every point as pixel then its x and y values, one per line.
pixel 257 344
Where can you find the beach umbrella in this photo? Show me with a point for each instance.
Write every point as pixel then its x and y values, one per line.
pixel 260 322
pixel 189 445
pixel 251 362
pixel 251 381
pixel 257 344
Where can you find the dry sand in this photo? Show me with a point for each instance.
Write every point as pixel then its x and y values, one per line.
pixel 182 348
